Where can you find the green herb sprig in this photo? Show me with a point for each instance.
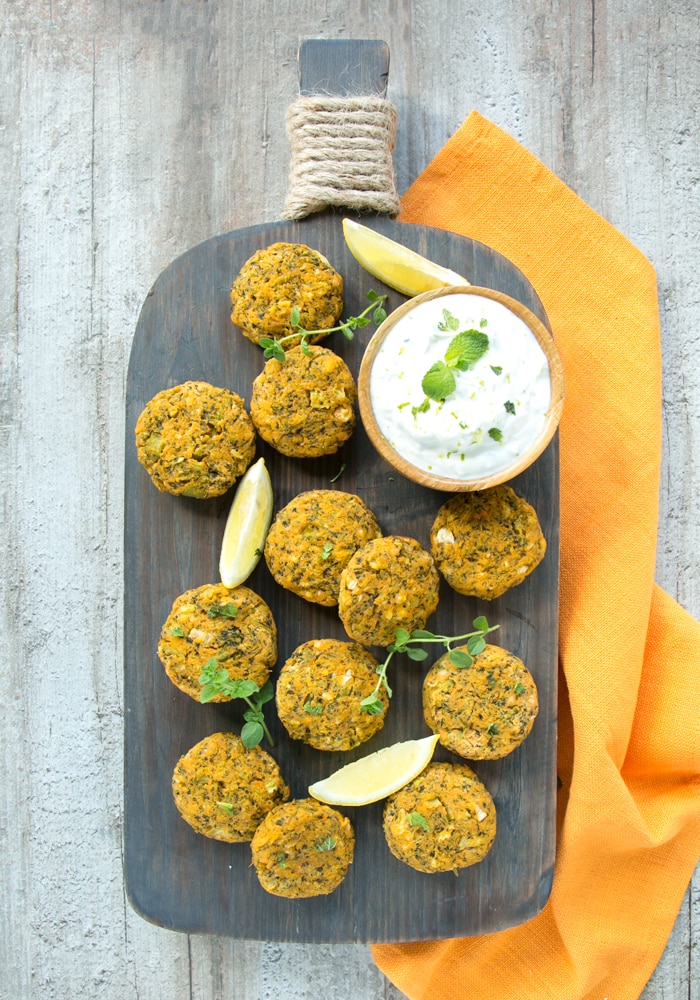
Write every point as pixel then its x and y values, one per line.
pixel 274 347
pixel 463 351
pixel 405 642
pixel 215 680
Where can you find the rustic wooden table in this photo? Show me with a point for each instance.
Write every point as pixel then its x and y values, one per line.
pixel 131 132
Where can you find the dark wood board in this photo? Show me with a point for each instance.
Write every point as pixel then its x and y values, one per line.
pixel 186 882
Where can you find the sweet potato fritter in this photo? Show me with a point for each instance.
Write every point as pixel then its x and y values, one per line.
pixel 195 439
pixel 225 791
pixel 313 537
pixel 279 277
pixel 319 693
pixel 487 541
pixel 234 626
pixel 390 583
pixel 303 406
pixel 484 711
pixel 443 820
pixel 303 848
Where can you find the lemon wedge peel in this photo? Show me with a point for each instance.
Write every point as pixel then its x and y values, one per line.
pixel 377 775
pixel 398 267
pixel 247 525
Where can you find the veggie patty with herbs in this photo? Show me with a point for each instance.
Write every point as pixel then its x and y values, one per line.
pixel 303 848
pixel 303 406
pixel 312 539
pixel 487 541
pixel 275 280
pixel 233 626
pixel 195 439
pixel 390 583
pixel 223 790
pixel 319 693
pixel 443 820
pixel 484 711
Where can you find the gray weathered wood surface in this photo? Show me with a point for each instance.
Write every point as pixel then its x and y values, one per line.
pixel 130 132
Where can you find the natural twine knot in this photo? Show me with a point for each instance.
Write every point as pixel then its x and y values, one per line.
pixel 341 155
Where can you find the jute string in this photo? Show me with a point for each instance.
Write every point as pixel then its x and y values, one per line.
pixel 341 155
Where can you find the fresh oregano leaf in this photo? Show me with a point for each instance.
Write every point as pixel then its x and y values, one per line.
pixel 476 645
pixel 416 654
pixel 460 658
pixel 251 734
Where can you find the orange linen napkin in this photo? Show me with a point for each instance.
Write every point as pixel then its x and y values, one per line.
pixel 629 745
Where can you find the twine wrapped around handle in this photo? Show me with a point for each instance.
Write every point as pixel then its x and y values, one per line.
pixel 341 155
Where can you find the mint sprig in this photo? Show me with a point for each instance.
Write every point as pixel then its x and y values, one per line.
pixel 405 642
pixel 215 680
pixel 463 351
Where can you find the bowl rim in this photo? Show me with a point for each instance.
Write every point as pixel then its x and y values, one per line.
pixel 527 458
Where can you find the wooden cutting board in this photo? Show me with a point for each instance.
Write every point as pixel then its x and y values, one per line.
pixel 184 881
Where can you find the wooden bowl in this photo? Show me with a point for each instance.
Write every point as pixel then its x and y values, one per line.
pixel 479 482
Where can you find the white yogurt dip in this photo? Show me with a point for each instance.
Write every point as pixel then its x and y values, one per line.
pixel 499 403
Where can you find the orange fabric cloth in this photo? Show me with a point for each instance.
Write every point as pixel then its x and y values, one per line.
pixel 629 741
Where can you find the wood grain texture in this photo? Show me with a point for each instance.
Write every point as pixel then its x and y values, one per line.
pixel 130 133
pixel 186 882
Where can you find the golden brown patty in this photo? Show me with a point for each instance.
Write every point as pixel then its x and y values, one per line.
pixel 225 791
pixel 319 694
pixel 441 821
pixel 390 583
pixel 303 848
pixel 312 539
pixel 276 279
pixel 484 711
pixel 195 440
pixel 234 627
pixel 303 406
pixel 486 542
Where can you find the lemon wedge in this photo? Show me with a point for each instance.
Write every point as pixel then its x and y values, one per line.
pixel 375 776
pixel 246 525
pixel 394 264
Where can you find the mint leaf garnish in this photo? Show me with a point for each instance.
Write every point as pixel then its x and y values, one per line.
pixel 463 351
pixel 449 322
pixel 466 348
pixel 438 382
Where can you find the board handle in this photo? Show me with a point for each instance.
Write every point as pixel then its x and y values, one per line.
pixel 342 130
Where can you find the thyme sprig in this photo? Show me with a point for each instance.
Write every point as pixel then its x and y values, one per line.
pixel 405 642
pixel 215 680
pixel 274 347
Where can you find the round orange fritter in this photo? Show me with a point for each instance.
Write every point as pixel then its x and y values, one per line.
pixel 225 791
pixel 487 541
pixel 484 711
pixel 195 440
pixel 276 279
pixel 319 693
pixel 390 583
pixel 234 627
pixel 302 848
pixel 313 537
pixel 443 820
pixel 303 406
